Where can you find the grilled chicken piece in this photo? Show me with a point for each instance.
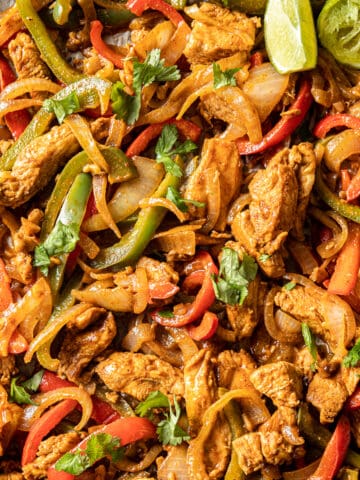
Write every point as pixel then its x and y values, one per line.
pixel 249 454
pixel 327 395
pixel 79 349
pixel 27 60
pixel 219 174
pixel 279 197
pixel 218 33
pixel 138 375
pixel 7 369
pixel 10 417
pixel 38 162
pixel 49 451
pixel 280 381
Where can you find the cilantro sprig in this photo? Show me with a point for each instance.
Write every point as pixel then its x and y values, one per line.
pixel 309 340
pixel 231 285
pixel 353 356
pixel 224 78
pixel 98 446
pixel 167 147
pixel 21 394
pixel 174 196
pixel 168 430
pixel 127 106
pixel 64 107
pixel 62 239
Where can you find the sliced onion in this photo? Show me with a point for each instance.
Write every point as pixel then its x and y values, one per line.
pixel 116 299
pixel 82 132
pixel 339 229
pixel 166 203
pixel 276 331
pixel 34 307
pixel 74 393
pixel 28 85
pixel 8 106
pixel 213 193
pixel 186 344
pixel 137 335
pixel 303 256
pixel 176 46
pixel 117 132
pixel 238 206
pixel 154 347
pixel 203 90
pixel 157 37
pixel 302 473
pixel 287 323
pixel 141 296
pixel 52 328
pixel 88 246
pixel 265 88
pixel 175 461
pixel 341 147
pixel 128 466
pixel 126 198
pixel 99 188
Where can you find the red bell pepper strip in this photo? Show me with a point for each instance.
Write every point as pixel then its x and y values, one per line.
pixel 323 127
pixel 42 426
pixel 285 126
pixel 353 402
pixel 188 129
pixel 102 412
pixel 139 6
pixel 162 290
pixel 16 121
pixel 335 452
pixel 343 280
pixel 206 328
pixel 96 27
pixel 353 190
pixel 127 430
pixel 18 343
pixel 187 313
pixel 256 59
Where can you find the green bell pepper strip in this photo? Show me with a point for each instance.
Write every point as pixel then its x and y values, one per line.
pixel 73 23
pixel 115 18
pixel 91 91
pixel 352 212
pixel 71 213
pixel 121 168
pixel 61 11
pixel 319 436
pixel 233 417
pixel 132 244
pixel 65 301
pixel 47 48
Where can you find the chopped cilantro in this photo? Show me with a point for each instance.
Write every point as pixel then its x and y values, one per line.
pixel 353 356
pixel 62 239
pixel 98 446
pixel 310 343
pixel 166 313
pixel 174 196
pixel 64 107
pixel 167 147
pixel 127 106
pixel 21 393
pixel 224 78
pixel 264 257
pixel 231 285
pixel 168 429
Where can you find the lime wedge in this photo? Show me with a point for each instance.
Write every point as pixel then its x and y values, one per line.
pixel 290 37
pixel 339 30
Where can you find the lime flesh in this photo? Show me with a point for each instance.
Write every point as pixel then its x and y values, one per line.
pixel 290 36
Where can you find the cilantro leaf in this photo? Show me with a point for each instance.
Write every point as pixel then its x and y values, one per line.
pixel 167 147
pixel 353 356
pixel 21 393
pixel 62 239
pixel 153 400
pixel 166 313
pixel 174 196
pixel 224 78
pixel 264 257
pixel 168 430
pixel 231 284
pixel 125 106
pixel 98 446
pixel 153 70
pixel 64 107
pixel 310 343
pixel 289 286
